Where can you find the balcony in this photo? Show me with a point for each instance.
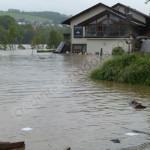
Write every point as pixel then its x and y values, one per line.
pixel 105 34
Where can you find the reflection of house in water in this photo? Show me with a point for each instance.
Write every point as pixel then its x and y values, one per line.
pixel 101 28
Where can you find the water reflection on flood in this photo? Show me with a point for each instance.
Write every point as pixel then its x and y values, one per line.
pixel 55 97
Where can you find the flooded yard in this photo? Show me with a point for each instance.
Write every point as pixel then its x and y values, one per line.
pixel 48 101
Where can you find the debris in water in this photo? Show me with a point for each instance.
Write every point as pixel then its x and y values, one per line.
pixel 8 145
pixel 26 129
pixel 136 104
pixel 131 134
pixel 136 131
pixel 68 148
pixel 41 57
pixel 115 140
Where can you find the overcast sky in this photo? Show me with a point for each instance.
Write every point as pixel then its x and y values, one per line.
pixel 68 7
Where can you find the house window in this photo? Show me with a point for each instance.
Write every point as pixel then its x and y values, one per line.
pixel 91 30
pixel 105 22
pixel 77 48
pixel 101 19
pixel 99 28
pixel 107 26
pixel 114 18
pixel 94 22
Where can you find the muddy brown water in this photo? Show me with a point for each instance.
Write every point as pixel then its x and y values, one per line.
pixel 53 95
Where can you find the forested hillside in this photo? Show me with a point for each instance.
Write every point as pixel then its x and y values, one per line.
pixel 18 16
pixel 44 17
pixel 57 18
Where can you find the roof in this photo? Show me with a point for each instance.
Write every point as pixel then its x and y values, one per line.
pixel 120 15
pixel 119 4
pixel 85 11
pixel 107 7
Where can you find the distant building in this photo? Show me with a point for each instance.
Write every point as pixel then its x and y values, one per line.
pixel 14 10
pixel 101 28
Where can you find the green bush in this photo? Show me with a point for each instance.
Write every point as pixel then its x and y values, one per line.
pixel 46 51
pixel 117 51
pixel 21 46
pixel 128 68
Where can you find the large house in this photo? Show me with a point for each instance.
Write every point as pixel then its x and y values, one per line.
pixel 101 28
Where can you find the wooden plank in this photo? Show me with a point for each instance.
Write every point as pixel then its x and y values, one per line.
pixel 8 146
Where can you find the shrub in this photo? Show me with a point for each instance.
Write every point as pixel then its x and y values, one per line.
pixel 21 46
pixel 46 51
pixel 117 51
pixel 128 68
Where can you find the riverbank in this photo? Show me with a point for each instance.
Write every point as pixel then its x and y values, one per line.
pixel 128 68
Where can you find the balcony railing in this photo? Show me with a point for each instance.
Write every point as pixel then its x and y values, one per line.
pixel 105 34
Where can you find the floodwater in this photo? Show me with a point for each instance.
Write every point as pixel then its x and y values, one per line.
pixel 48 101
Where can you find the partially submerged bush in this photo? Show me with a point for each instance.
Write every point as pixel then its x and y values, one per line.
pixel 117 51
pixel 129 68
pixel 46 51
pixel 21 46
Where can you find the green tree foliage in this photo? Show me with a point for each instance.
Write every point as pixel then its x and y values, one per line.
pixel 4 42
pixel 3 32
pixel 36 40
pixel 42 39
pixel 118 51
pixel 12 34
pixel 128 68
pixel 55 37
pixel 27 32
pixel 39 39
pixel 43 33
pixel 5 21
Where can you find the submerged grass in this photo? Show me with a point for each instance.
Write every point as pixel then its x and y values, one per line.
pixel 128 68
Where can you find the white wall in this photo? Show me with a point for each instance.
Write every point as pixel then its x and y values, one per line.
pixel 134 14
pixel 146 45
pixel 82 18
pixel 107 44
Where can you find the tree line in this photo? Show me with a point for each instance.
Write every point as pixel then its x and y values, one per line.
pixel 11 33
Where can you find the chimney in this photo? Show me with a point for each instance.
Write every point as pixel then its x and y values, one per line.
pixel 129 16
pixel 117 8
pixel 126 10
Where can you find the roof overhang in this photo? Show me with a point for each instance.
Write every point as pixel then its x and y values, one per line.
pixel 67 22
pixel 115 13
pixel 134 21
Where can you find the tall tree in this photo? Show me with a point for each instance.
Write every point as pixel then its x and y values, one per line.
pixel 5 21
pixel 12 34
pixel 55 37
pixel 36 40
pixel 28 33
pixel 42 39
pixel 39 39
